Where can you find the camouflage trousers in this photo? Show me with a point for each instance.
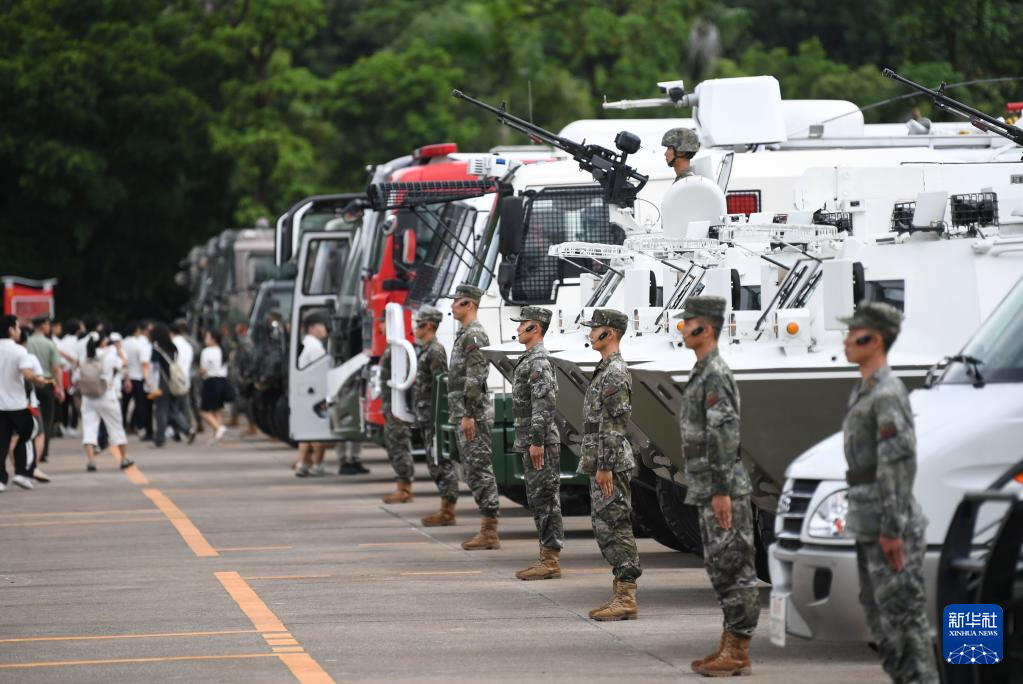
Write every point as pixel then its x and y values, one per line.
pixel 398 442
pixel 895 605
pixel 478 465
pixel 445 471
pixel 728 556
pixel 612 527
pixel 543 493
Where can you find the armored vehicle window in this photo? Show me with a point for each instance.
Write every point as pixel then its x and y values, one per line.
pixel 887 292
pixel 449 245
pixel 995 354
pixel 324 267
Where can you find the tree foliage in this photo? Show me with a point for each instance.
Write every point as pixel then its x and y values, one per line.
pixel 133 130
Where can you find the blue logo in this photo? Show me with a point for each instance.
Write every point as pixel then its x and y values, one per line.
pixel 972 634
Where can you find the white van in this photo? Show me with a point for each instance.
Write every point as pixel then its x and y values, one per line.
pixel 969 429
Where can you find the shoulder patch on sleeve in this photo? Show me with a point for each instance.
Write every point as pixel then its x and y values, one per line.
pixel 535 375
pixel 712 399
pixel 610 391
pixel 888 430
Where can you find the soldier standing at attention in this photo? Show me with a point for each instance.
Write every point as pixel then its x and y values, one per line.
pixel 681 145
pixel 884 518
pixel 432 361
pixel 397 439
pixel 534 394
pixel 607 458
pixel 720 486
pixel 472 413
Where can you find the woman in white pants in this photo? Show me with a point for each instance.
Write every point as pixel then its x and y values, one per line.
pixel 105 407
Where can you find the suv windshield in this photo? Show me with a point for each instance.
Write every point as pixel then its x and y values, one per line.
pixel 996 350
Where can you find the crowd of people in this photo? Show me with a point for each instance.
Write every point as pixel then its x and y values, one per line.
pixel 82 378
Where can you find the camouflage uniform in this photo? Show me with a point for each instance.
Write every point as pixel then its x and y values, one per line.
pixel 468 396
pixel 709 426
pixel 432 361
pixel 534 395
pixel 607 408
pixel 880 448
pixel 397 433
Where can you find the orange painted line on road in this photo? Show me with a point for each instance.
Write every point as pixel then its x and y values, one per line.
pixel 302 666
pixel 404 543
pixel 442 572
pixel 154 635
pixel 263 619
pixel 74 513
pixel 188 531
pixel 283 577
pixel 51 523
pixel 283 641
pixel 255 548
pixel 277 635
pixel 120 661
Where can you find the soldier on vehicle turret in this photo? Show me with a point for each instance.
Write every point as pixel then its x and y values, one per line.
pixel 681 145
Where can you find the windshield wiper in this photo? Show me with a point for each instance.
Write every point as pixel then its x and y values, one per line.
pixel 973 367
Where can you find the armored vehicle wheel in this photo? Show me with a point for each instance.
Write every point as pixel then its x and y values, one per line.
pixel 575 500
pixel 681 518
pixel 279 420
pixel 763 537
pixel 647 519
pixel 261 414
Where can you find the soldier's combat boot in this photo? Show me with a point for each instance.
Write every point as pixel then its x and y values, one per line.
pixel 622 605
pixel 733 659
pixel 547 566
pixel 486 538
pixel 401 495
pixel 710 656
pixel 605 604
pixel 442 518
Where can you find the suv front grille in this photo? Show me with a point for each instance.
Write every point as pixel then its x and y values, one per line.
pixel 791 516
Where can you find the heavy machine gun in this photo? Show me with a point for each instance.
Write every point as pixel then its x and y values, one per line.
pixel 620 181
pixel 984 122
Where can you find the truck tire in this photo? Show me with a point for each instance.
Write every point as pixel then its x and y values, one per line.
pixel 681 518
pixel 647 520
pixel 763 532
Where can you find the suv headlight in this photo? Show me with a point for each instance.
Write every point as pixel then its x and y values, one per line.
pixel 828 519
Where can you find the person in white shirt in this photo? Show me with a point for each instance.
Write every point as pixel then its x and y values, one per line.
pixel 15 419
pixel 184 359
pixel 33 449
pixel 213 370
pixel 311 454
pixel 139 350
pixel 72 404
pixel 105 407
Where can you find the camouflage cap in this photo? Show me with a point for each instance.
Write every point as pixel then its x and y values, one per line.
pixel 681 140
pixel 534 313
pixel 612 318
pixel 428 314
pixel 707 307
pixel 467 291
pixel 883 317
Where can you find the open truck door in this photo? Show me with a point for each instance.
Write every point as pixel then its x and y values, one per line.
pixel 323 256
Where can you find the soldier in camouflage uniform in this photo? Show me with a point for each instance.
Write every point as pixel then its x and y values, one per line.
pixel 607 458
pixel 719 485
pixel 471 412
pixel 681 145
pixel 432 361
pixel 397 439
pixel 883 517
pixel 534 395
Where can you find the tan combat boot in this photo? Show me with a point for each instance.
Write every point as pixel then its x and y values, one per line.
pixel 605 604
pixel 486 538
pixel 401 495
pixel 442 518
pixel 710 656
pixel 548 566
pixel 622 605
pixel 731 661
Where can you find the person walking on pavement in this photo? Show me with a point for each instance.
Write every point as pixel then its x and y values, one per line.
pixel 534 399
pixel 606 456
pixel 884 517
pixel 168 411
pixel 15 419
pixel 185 360
pixel 139 351
pixel 97 382
pixel 311 454
pixel 681 145
pixel 719 486
pixel 49 395
pixel 471 412
pixel 431 362
pixel 397 439
pixel 29 451
pixel 213 371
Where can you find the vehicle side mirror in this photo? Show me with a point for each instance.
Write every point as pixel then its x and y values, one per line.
pixel 408 247
pixel 289 271
pixel 512 220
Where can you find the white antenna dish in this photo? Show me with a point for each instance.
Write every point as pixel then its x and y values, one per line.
pixel 689 200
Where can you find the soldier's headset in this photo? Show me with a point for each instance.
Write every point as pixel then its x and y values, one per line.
pixel 603 335
pixel 863 340
pixel 531 327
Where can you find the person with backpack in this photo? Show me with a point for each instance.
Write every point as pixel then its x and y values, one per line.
pixel 214 385
pixel 170 387
pixel 98 375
